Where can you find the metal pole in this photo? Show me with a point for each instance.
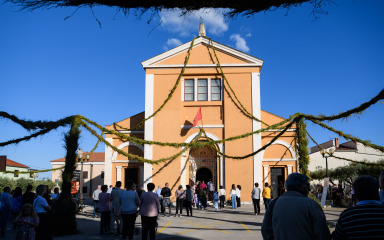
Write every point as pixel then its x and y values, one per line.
pixel 90 181
pixel 81 182
pixel 326 165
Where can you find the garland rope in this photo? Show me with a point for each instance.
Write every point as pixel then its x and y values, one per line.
pixel 348 136
pixel 260 149
pixel 135 140
pixel 171 92
pixel 283 126
pixel 248 114
pixel 32 171
pixel 341 158
pixel 302 148
pixel 346 114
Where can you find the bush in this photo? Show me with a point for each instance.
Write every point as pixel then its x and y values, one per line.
pixel 23 183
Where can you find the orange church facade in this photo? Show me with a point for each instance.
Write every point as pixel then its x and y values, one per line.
pixel 202 86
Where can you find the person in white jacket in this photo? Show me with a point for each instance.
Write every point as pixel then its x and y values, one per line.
pixel 222 197
pixel 256 199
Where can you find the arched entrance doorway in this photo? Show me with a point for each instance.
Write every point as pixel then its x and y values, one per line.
pixel 203 165
pixel 204 174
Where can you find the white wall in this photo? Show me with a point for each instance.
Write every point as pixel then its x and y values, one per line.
pixel 362 153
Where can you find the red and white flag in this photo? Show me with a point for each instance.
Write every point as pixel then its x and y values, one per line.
pixel 198 117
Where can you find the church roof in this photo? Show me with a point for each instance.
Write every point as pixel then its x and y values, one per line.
pixel 15 164
pixel 249 61
pixel 95 157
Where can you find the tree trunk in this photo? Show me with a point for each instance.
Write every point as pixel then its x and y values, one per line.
pixel 64 210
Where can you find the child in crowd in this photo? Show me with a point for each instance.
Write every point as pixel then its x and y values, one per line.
pixel 216 200
pixel 195 200
pixel 26 221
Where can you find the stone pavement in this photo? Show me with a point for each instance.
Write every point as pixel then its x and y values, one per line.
pixel 225 224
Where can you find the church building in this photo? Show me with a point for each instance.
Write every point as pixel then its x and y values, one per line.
pixel 202 86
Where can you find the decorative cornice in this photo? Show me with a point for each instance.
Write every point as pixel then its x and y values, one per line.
pixel 204 126
pixel 251 60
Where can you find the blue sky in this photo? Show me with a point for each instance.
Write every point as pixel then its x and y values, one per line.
pixel 51 68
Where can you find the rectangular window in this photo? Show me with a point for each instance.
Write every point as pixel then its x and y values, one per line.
pixel 216 89
pixel 85 189
pixel 102 174
pixel 189 90
pixel 202 90
pixel 85 174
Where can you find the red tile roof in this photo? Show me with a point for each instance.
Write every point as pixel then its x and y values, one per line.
pixel 15 164
pixel 95 157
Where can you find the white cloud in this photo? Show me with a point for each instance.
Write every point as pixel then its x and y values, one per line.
pixel 240 42
pixel 187 25
pixel 172 42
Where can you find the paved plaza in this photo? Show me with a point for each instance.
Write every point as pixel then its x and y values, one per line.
pixel 231 224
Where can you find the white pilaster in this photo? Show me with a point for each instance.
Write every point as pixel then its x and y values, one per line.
pixel 183 167
pixel 148 134
pixel 118 173
pixel 256 111
pixel 289 169
pixel 108 163
pixel 266 173
pixel 221 171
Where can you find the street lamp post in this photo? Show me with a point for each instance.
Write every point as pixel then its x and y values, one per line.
pixel 326 155
pixel 81 160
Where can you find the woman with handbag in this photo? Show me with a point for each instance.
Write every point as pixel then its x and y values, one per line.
pixel 180 196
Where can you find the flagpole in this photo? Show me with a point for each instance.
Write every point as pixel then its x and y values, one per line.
pixel 202 125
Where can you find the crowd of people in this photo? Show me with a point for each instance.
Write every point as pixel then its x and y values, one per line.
pixel 291 215
pixel 29 212
pixel 118 208
pixel 295 216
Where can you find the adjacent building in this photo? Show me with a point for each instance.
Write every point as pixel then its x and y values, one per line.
pixel 93 172
pixel 203 86
pixel 18 170
pixel 350 150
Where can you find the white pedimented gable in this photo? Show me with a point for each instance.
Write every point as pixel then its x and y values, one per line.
pixel 241 59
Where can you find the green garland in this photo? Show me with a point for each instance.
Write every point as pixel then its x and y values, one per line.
pixel 257 151
pixel 248 114
pixel 347 114
pixel 348 136
pixel 298 118
pixel 302 149
pixel 172 90
pixel 341 158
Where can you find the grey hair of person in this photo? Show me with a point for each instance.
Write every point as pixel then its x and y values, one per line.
pixel 295 181
pixel 41 189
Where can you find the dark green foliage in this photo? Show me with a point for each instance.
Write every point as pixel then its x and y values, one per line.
pixel 239 7
pixel 349 173
pixel 23 183
pixel 302 149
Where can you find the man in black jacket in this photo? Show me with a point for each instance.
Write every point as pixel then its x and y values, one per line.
pixel 166 193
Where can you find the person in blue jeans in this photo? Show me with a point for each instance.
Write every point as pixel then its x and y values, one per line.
pixel 233 196
pixel 95 197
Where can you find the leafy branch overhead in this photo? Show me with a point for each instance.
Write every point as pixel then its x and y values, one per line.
pixel 234 8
